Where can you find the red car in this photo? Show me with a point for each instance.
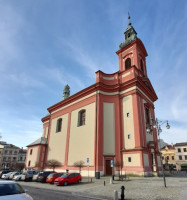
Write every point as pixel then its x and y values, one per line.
pixel 51 177
pixel 69 178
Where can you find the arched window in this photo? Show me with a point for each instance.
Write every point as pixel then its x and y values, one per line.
pixel 127 63
pixel 59 125
pixel 141 64
pixel 81 117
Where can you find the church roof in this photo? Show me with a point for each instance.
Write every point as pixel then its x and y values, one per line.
pixel 130 35
pixel 41 140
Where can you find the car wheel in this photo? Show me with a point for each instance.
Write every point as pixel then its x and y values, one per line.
pixel 65 183
pixel 79 181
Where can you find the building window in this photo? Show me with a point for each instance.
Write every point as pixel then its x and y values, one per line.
pixel 167 157
pixel 128 114
pixel 29 163
pixel 129 136
pixel 9 158
pixel 162 157
pixel 129 159
pixel 4 158
pixel 10 152
pixel 31 152
pixel 14 158
pixel 180 157
pixel 127 63
pixel 20 159
pixel 185 157
pixel 141 64
pixel 147 115
pixel 15 152
pixel 6 152
pixel 59 125
pixel 172 157
pixel 184 149
pixel 179 150
pixel 81 117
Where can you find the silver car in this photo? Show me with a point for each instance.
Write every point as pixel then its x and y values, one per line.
pixel 9 190
pixel 27 175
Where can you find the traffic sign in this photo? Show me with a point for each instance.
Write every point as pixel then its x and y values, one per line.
pixel 111 163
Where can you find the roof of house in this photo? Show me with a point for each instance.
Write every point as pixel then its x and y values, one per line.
pixel 41 140
pixel 181 144
pixel 169 147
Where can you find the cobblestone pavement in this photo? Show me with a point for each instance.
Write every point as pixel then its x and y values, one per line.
pixel 136 188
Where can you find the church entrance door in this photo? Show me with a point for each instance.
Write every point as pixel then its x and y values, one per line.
pixel 108 168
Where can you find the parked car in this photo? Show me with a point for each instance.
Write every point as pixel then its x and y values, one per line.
pixel 27 175
pixel 6 176
pixel 43 175
pixel 69 178
pixel 51 178
pixel 9 190
pixel 4 172
pixel 35 176
pixel 14 174
pixel 17 177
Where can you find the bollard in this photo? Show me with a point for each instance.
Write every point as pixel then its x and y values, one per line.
pixel 111 182
pixel 104 183
pixel 115 195
pixel 122 192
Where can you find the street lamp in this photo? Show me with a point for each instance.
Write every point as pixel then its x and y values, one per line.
pixel 157 125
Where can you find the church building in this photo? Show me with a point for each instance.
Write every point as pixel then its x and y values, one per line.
pixel 104 125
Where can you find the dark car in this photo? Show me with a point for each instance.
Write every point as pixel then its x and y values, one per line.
pixel 4 172
pixel 43 175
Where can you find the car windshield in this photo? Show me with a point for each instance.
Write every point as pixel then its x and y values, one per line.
pixel 10 189
pixel 51 175
pixel 64 175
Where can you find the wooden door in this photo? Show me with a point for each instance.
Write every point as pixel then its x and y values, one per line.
pixel 108 168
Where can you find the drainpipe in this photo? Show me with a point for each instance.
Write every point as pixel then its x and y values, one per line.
pixel 96 132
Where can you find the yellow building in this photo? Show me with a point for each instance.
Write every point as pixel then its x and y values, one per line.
pixel 168 154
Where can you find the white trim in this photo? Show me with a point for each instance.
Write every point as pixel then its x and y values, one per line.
pixel 101 92
pixel 108 78
pixel 126 74
pixel 46 122
pixel 81 99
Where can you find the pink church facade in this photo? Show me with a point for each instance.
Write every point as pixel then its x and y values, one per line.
pixel 106 121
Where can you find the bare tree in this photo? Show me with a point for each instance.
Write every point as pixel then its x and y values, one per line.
pixel 53 164
pixel 79 164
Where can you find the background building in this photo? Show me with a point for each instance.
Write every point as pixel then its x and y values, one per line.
pixel 105 123
pixel 181 156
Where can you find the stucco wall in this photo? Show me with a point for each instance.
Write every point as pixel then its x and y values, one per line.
pixel 135 160
pixel 57 142
pixel 108 129
pixel 146 160
pixel 81 141
pixel 149 136
pixel 159 161
pixel 128 122
pixel 32 158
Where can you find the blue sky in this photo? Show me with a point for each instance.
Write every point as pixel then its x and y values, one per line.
pixel 46 44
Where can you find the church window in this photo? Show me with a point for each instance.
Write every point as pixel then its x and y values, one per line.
pixel 129 136
pixel 29 163
pixel 128 114
pixel 127 63
pixel 129 159
pixel 147 115
pixel 81 117
pixel 129 35
pixel 59 125
pixel 31 152
pixel 141 64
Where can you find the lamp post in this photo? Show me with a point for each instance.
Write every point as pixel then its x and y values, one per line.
pixel 156 124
